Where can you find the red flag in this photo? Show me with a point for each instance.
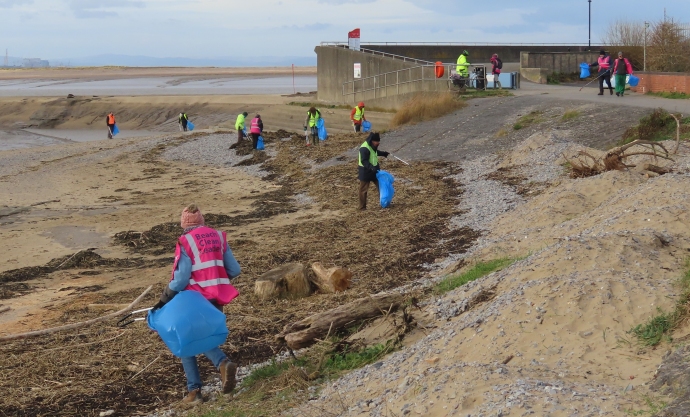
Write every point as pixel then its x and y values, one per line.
pixel 354 34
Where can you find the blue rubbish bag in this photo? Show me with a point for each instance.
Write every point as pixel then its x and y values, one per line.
pixel 190 125
pixel 386 190
pixel 115 130
pixel 584 70
pixel 189 324
pixel 633 81
pixel 260 143
pixel 321 128
pixel 366 126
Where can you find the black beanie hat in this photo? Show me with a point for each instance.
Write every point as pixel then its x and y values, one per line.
pixel 375 137
pixel 602 52
pixel 245 114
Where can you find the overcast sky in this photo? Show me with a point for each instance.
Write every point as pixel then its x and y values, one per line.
pixel 221 28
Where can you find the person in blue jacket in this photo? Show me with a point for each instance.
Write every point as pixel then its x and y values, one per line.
pixel 368 166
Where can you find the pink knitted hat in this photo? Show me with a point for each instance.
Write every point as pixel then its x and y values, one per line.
pixel 191 216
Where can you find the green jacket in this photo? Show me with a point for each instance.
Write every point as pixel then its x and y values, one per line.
pixel 462 66
pixel 239 124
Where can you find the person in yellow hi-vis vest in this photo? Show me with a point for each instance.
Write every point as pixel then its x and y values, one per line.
pixel 357 116
pixel 239 126
pixel 313 116
pixel 368 166
pixel 461 69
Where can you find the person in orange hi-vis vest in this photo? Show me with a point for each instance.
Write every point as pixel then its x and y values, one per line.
pixel 203 263
pixel 110 121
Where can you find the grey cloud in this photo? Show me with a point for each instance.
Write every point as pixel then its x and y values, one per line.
pixel 6 4
pixel 312 27
pixel 339 2
pixel 90 9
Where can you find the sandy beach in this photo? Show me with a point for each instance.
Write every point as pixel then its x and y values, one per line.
pixel 87 224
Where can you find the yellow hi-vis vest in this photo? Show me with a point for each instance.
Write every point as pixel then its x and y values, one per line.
pixel 462 65
pixel 373 155
pixel 239 124
pixel 313 118
pixel 359 113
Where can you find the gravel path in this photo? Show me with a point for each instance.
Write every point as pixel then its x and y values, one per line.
pixel 213 150
pixel 485 126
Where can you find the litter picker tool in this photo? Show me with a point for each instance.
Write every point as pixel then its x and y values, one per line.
pixel 127 320
pixel 603 73
pixel 400 160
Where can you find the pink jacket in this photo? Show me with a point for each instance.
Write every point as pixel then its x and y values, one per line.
pixel 628 67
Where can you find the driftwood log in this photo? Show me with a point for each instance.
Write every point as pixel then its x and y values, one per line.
pixel 77 325
pixel 654 168
pixel 287 281
pixel 306 332
pixel 331 280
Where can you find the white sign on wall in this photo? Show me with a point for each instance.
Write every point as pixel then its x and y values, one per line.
pixel 358 71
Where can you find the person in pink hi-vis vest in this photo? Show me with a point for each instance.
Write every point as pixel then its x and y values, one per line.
pixel 203 263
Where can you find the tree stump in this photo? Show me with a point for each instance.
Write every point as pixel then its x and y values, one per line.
pixel 331 280
pixel 287 281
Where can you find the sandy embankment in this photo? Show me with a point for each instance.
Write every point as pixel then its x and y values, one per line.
pixel 59 116
pixel 549 335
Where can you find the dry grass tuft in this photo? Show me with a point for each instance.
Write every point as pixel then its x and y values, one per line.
pixel 426 106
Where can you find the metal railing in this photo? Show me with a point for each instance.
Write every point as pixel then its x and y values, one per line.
pixel 383 54
pixel 339 43
pixel 382 84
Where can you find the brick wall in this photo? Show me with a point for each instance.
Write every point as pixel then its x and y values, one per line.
pixel 657 82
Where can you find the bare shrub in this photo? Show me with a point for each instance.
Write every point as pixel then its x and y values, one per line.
pixel 426 106
pixel 668 48
pixel 628 37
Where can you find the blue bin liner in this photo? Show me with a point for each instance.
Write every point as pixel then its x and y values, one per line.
pixel 260 143
pixel 321 127
pixel 190 125
pixel 115 130
pixel 584 70
pixel 366 126
pixel 386 190
pixel 189 324
pixel 633 81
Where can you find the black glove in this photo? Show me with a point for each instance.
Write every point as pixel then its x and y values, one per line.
pixel 385 154
pixel 167 295
pixel 158 305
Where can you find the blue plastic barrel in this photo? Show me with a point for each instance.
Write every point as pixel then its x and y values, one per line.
pixel 633 81
pixel 584 70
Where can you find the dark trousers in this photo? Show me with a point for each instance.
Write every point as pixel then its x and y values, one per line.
pixel 255 139
pixel 358 127
pixel 606 77
pixel 184 125
pixel 363 190
pixel 240 136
